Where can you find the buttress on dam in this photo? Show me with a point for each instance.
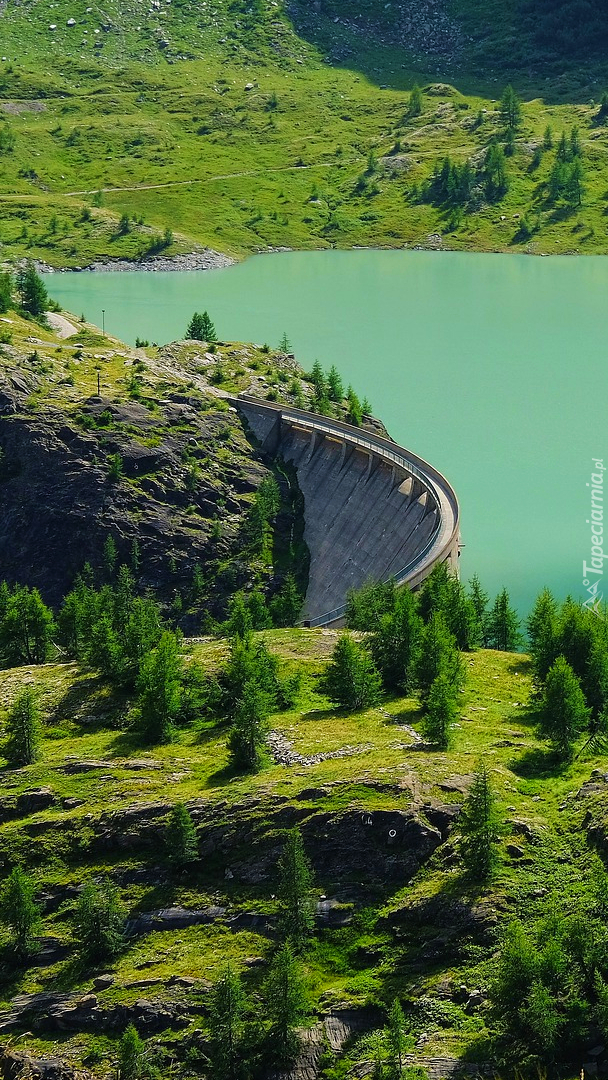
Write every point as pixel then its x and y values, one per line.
pixel 372 509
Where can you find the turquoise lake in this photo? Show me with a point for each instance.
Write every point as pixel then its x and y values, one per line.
pixel 493 367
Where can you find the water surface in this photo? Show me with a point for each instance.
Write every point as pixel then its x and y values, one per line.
pixel 493 367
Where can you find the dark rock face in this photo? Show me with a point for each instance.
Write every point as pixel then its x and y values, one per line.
pixel 59 504
pixel 349 849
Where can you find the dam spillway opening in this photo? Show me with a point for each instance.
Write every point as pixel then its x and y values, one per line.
pixel 372 509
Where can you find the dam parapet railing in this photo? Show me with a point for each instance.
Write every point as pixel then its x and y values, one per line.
pixel 443 543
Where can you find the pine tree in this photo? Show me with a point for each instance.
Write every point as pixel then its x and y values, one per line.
pixel 479 824
pixel 286 605
pixel 247 739
pixel 395 643
pixel 354 414
pixel 34 297
pixel 440 713
pixel 480 600
pixel 239 622
pixel 414 107
pixel 159 686
pixel 27 627
pixel 564 714
pixel 595 679
pixel 23 729
pixel 295 891
pixel 433 595
pixel 132 1064
pixel 541 626
pixel 19 912
pixel 201 328
pixel 109 556
pixel 181 839
pixel 351 679
pixel 226 1027
pixel 285 344
pixel 495 168
pixel 335 388
pixel 397 1040
pixel 99 922
pixel 438 655
pixel 548 138
pixel 510 108
pixel 6 292
pixel 317 378
pixel 285 1001
pixel 503 625
pixel 366 606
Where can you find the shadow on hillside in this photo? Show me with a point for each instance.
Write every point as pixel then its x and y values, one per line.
pixel 537 764
pixel 395 46
pixel 78 696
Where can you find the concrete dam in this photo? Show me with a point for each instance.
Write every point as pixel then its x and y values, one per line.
pixel 372 509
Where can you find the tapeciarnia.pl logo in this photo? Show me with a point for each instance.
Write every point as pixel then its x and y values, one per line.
pixel 593 572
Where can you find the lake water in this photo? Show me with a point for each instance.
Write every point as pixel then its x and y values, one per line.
pixel 493 367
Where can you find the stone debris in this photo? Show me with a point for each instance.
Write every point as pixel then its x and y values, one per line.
pixel 283 753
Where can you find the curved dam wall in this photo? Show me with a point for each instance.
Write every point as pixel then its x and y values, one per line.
pixel 372 509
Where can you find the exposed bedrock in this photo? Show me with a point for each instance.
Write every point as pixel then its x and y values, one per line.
pixel 372 509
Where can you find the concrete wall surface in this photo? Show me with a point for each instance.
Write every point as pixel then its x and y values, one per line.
pixel 373 510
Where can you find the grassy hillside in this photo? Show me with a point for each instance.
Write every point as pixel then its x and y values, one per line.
pixel 102 804
pixel 223 126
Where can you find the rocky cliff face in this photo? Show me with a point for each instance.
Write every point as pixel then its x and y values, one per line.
pixel 158 460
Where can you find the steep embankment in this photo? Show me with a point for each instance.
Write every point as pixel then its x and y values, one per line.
pixel 157 462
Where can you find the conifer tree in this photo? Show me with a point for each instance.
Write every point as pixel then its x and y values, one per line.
pixel 479 825
pixel 397 1040
pixel 99 922
pixel 159 686
pixel 132 1063
pixel 201 328
pixel 564 714
pixel 366 606
pixel 503 625
pixel 335 388
pixel 440 712
pixel 285 344
pixel 110 555
pixel 247 739
pixel 286 604
pixel 438 655
pixel 6 292
pixel 541 626
pixel 23 729
pixel 295 891
pixel 548 138
pixel 480 600
pixel 181 839
pixel 27 628
pixel 317 378
pixel 239 622
pixel 595 679
pixel 395 642
pixel 226 1027
pixel 415 103
pixel 285 1001
pixel 354 414
pixel 19 911
pixel 34 297
pixel 510 108
pixel 351 678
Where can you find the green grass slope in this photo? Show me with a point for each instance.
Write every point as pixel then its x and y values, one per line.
pixel 228 126
pixel 404 938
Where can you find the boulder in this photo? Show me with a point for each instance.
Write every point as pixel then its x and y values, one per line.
pixel 31 802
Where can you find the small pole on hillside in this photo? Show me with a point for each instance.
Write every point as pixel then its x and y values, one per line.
pixel 103 321
pixel 98 386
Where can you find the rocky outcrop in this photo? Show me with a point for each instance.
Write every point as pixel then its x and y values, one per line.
pixel 67 1013
pixel 59 504
pixel 17 1065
